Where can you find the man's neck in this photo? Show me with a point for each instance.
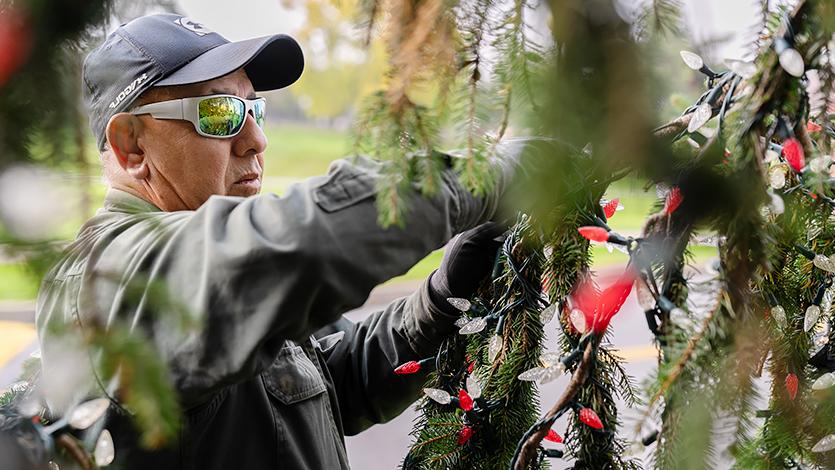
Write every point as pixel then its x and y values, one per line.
pixel 133 190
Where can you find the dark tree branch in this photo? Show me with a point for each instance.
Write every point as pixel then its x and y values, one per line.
pixel 527 452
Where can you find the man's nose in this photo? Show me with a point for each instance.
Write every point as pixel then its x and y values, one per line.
pixel 251 140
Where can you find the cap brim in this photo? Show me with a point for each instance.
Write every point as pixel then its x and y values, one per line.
pixel 271 62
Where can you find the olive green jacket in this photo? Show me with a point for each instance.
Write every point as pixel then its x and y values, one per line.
pixel 261 384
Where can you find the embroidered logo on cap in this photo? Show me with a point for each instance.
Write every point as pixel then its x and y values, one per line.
pixel 193 26
pixel 128 90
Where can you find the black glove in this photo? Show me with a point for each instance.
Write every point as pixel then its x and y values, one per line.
pixel 468 259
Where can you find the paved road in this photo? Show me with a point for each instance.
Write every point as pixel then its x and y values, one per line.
pixel 382 446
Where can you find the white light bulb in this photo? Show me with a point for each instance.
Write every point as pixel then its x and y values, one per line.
pixel 823 382
pixel 701 116
pixel 813 312
pixel 549 359
pixel 779 314
pixel 645 298
pixel 437 395
pixel 777 176
pixel 813 230
pixel 826 444
pixel 552 373
pixel 826 302
pixel 824 263
pixel 34 203
pixel 792 62
pixel 473 387
pixel 494 348
pixel 459 303
pixel 532 375
pixel 104 452
pixel 548 313
pixel 578 320
pixel 29 407
pixel 84 415
pixel 692 60
pixel 476 325
pixel 777 204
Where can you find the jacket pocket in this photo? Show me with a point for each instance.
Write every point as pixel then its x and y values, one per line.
pixel 346 185
pixel 292 377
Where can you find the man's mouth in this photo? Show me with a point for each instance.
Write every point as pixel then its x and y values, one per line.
pixel 250 183
pixel 249 179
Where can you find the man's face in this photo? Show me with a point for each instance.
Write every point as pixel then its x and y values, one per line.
pixel 185 167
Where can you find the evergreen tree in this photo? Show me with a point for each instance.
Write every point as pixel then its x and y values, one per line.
pixel 758 184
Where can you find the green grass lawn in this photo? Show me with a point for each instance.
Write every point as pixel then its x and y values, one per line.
pixel 299 152
pixel 17 283
pixel 296 152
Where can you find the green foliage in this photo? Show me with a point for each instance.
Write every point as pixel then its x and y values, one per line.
pixel 512 403
pixel 569 260
pixel 439 48
pixel 17 283
pixel 144 386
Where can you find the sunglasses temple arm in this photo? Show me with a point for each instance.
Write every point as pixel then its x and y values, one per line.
pixel 172 109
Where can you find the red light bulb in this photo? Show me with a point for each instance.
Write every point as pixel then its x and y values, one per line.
pixel 15 40
pixel 595 234
pixel 465 401
pixel 812 126
pixel 553 436
pixel 464 435
pixel 611 299
pixel 791 386
pixel 407 368
pixel 793 153
pixel 674 199
pixel 590 418
pixel 611 207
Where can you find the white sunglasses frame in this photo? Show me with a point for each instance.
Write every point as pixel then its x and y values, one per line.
pixel 188 109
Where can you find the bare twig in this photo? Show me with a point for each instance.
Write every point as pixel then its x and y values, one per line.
pixel 76 451
pixel 679 124
pixel 682 361
pixel 528 450
pixel 674 127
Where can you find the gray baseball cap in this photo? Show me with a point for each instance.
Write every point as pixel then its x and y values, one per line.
pixel 168 49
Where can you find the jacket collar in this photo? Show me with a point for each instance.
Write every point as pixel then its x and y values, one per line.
pixel 117 200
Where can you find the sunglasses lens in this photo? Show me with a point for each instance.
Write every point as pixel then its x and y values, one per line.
pixel 221 115
pixel 259 109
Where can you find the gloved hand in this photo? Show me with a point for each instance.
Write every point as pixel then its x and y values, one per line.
pixel 468 259
pixel 534 172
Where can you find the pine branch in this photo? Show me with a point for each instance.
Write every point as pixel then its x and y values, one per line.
pixel 679 364
pixel 531 440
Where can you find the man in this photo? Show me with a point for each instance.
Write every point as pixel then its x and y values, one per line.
pixel 178 122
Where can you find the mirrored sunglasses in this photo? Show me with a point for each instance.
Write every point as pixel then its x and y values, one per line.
pixel 217 116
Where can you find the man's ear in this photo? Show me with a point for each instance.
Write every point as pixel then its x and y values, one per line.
pixel 122 133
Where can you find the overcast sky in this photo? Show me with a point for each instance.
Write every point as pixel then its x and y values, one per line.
pixel 708 20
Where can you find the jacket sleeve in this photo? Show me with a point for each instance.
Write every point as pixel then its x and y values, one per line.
pixel 257 271
pixel 362 363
